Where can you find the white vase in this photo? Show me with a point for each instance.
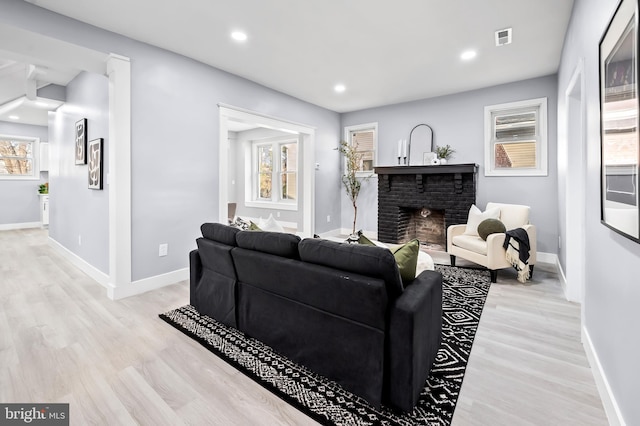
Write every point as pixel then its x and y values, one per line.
pixel 443 161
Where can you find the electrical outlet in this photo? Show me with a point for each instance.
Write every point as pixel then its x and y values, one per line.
pixel 559 242
pixel 79 240
pixel 163 249
pixel 317 166
pixel 328 218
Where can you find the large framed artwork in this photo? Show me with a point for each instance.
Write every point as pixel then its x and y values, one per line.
pixel 81 141
pixel 620 143
pixel 94 152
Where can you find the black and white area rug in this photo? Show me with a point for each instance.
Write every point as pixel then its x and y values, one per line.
pixel 464 294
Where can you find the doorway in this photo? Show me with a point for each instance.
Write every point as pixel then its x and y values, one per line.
pixel 306 137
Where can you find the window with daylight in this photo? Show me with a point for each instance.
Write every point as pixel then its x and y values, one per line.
pixel 364 138
pixel 276 172
pixel 17 160
pixel 516 139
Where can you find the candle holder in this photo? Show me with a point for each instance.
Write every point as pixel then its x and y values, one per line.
pixel 399 163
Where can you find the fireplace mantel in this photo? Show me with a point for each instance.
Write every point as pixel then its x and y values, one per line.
pixel 426 170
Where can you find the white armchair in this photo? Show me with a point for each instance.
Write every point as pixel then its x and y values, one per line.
pixel 490 253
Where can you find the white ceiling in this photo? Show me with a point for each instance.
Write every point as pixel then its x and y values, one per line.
pixel 384 52
pixel 15 77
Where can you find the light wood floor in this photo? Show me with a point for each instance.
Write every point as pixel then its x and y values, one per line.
pixel 117 363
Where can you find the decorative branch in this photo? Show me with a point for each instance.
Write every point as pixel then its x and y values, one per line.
pixel 352 183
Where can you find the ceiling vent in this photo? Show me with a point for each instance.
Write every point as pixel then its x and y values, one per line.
pixel 503 37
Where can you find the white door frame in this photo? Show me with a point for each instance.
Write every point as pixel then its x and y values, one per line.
pixel 227 112
pixel 575 219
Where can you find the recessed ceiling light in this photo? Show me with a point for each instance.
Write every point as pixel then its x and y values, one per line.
pixel 42 104
pixel 239 36
pixel 14 117
pixel 467 55
pixel 339 88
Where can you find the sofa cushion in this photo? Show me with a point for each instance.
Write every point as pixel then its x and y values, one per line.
pixel 270 224
pixel 278 243
pixel 221 233
pixel 471 243
pixel 375 262
pixel 476 216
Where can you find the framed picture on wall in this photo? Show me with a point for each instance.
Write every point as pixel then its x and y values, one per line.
pixel 81 141
pixel 94 152
pixel 620 143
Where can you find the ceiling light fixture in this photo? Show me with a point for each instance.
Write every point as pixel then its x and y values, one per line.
pixel 467 55
pixel 339 88
pixel 14 117
pixel 239 36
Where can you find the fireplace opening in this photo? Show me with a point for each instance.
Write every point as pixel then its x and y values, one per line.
pixel 425 224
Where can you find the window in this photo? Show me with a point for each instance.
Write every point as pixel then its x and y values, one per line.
pixel 275 171
pixel 516 139
pixel 365 138
pixel 17 160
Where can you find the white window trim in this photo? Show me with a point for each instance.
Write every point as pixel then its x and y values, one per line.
pixel 252 200
pixel 347 138
pixel 541 146
pixel 36 158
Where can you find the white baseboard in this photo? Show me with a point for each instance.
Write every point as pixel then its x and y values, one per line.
pixel 147 284
pixel 14 226
pixel 125 290
pixel 608 399
pixel 80 263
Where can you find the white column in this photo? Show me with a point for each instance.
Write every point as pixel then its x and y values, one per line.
pixel 119 174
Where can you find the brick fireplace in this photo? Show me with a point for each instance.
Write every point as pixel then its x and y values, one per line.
pixel 422 201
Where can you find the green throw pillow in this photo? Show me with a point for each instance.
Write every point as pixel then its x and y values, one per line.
pixel 407 259
pixel 254 227
pixel 490 226
pixel 365 241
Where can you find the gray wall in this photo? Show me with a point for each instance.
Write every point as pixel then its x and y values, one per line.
pixel 175 136
pixel 612 287
pixel 79 216
pixel 20 201
pixel 458 120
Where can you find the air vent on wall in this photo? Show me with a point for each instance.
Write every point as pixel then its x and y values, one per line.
pixel 503 37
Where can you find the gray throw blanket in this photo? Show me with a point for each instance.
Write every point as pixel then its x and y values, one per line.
pixel 516 243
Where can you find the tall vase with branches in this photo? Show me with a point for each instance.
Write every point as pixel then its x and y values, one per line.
pixel 350 179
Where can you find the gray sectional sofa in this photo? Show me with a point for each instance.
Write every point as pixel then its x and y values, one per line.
pixel 341 310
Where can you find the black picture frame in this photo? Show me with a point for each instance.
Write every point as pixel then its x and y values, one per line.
pixel 81 141
pixel 94 153
pixel 619 123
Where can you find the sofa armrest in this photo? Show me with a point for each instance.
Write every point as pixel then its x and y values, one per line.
pixel 452 231
pixel 415 332
pixel 496 252
pixel 533 244
pixel 195 273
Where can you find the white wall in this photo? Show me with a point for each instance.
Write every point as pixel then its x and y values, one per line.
pixel 458 120
pixel 612 286
pixel 79 216
pixel 20 203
